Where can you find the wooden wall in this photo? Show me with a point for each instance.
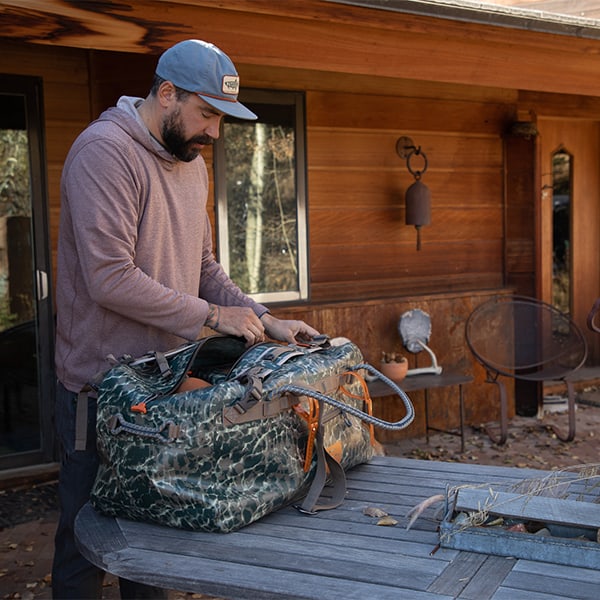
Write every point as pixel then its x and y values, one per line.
pixel 359 243
pixel 364 267
pixel 66 105
pixel 373 325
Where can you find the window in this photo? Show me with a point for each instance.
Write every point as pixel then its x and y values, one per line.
pixel 561 230
pixel 261 198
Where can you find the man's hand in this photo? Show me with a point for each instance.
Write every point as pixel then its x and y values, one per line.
pixel 236 320
pixel 287 330
pixel 243 322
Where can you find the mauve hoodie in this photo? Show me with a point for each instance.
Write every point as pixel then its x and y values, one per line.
pixel 136 268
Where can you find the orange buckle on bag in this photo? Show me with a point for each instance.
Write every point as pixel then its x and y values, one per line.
pixel 311 417
pixel 139 408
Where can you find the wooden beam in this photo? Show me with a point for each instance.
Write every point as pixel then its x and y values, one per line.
pixel 321 36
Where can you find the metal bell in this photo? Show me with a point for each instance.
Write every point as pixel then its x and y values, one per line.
pixel 418 207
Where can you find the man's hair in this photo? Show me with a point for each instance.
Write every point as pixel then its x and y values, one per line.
pixel 180 94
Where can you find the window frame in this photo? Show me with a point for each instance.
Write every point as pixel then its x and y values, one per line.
pixel 295 99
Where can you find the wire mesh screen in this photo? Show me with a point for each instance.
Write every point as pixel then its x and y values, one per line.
pixel 525 338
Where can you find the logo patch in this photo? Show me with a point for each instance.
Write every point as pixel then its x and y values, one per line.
pixel 231 84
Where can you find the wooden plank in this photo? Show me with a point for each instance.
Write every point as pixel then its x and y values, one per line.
pixel 559 105
pixel 542 570
pixel 383 188
pixel 362 289
pixel 557 584
pixel 524 506
pixel 456 576
pixel 449 225
pixel 319 554
pixel 335 110
pixel 100 533
pixel 374 260
pixel 247 581
pixel 287 79
pixel 489 577
pixel 367 148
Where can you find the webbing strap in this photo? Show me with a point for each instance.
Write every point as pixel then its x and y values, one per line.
pixel 163 365
pixel 234 414
pixel 254 405
pixel 311 504
pixel 81 418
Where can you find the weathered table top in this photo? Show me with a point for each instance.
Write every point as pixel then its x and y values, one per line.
pixel 338 554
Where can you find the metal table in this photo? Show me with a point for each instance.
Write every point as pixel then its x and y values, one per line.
pixel 427 382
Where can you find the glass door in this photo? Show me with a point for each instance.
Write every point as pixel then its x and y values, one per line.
pixel 26 316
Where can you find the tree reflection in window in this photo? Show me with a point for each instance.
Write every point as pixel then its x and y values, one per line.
pixel 561 230
pixel 259 169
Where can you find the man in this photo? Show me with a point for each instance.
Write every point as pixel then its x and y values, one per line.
pixel 136 270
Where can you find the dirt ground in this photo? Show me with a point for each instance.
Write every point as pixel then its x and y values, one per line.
pixel 28 516
pixel 531 443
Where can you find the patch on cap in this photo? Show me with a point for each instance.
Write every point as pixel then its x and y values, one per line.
pixel 231 84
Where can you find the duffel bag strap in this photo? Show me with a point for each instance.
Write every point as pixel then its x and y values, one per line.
pixel 327 468
pixel 299 390
pixel 81 411
pixel 81 418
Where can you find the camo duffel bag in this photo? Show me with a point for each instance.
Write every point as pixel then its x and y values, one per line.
pixel 212 436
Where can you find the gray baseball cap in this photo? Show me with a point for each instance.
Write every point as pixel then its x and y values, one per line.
pixel 201 68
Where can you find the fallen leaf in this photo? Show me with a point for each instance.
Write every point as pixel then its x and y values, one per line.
pixel 373 511
pixel 387 521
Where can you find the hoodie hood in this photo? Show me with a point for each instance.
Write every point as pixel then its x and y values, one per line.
pixel 126 116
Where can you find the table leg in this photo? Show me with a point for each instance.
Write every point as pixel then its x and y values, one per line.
pixel 462 417
pixel 426 396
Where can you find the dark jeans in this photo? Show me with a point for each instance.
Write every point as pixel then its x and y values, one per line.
pixel 73 577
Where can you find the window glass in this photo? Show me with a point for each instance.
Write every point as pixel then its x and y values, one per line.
pixel 561 230
pixel 259 168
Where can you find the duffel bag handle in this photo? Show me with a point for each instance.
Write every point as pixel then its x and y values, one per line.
pixel 166 433
pixel 298 390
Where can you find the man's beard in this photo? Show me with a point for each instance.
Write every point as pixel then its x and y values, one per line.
pixel 175 141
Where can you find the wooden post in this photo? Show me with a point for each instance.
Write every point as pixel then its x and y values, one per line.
pixel 521 234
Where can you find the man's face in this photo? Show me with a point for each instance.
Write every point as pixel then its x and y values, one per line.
pixel 191 125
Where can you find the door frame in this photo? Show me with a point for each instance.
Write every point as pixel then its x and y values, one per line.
pixel 581 138
pixel 31 88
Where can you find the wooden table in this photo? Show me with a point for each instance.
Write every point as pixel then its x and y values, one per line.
pixel 427 382
pixel 337 554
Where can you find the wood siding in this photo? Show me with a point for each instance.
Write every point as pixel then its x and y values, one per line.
pixel 359 242
pixel 369 77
